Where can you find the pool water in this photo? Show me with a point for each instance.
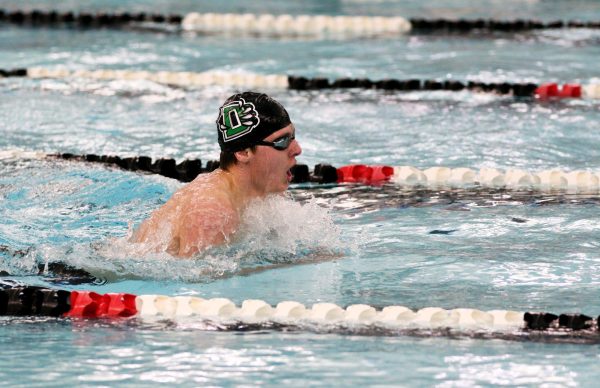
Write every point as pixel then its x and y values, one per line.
pixel 316 245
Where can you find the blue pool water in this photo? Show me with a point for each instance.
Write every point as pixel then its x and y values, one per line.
pixel 78 213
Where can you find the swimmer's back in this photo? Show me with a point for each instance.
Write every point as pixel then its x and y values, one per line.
pixel 197 216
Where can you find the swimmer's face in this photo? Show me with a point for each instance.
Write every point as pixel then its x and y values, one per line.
pixel 272 166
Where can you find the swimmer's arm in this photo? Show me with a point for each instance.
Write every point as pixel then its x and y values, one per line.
pixel 210 226
pixel 140 233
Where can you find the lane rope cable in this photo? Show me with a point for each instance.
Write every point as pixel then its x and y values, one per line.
pixel 284 25
pixel 544 91
pixel 549 181
pixel 21 300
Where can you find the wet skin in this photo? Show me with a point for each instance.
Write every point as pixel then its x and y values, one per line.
pixel 207 211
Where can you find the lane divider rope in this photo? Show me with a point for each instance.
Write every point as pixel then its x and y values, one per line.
pixel 549 181
pixel 285 24
pixel 40 301
pixel 300 25
pixel 544 91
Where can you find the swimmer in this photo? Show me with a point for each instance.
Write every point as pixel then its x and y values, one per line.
pixel 258 149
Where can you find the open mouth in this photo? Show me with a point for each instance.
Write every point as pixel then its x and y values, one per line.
pixel 290 176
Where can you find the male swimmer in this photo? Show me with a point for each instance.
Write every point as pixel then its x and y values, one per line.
pixel 258 149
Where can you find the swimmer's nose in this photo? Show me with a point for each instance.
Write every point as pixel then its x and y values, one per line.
pixel 296 149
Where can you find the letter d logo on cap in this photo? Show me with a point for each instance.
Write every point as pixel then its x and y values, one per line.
pixel 237 119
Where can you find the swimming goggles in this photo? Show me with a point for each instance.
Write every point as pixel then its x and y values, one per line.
pixel 280 144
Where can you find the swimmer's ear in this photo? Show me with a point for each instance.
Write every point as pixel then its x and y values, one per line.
pixel 244 155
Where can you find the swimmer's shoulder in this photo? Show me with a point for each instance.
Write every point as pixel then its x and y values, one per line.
pixel 215 181
pixel 211 194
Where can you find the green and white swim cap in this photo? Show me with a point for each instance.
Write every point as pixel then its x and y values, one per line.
pixel 247 118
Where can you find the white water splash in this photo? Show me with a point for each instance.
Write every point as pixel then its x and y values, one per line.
pixel 282 225
pixel 274 232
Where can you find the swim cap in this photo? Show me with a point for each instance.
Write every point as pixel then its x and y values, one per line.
pixel 247 118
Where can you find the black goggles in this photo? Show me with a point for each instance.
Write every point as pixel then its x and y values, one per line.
pixel 280 144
